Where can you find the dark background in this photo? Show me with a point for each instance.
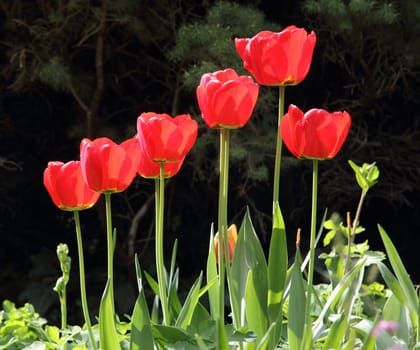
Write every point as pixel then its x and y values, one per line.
pixel 75 68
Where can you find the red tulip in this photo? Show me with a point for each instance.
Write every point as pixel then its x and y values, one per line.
pixel 317 134
pixel 66 186
pixel 232 238
pixel 226 100
pixel 107 166
pixel 166 139
pixel 151 170
pixel 278 58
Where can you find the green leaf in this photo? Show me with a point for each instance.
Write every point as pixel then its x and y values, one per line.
pixel 401 273
pixel 297 302
pixel 255 306
pixel 108 335
pixel 211 275
pixel 395 311
pixel 141 332
pixel 366 176
pixel 266 339
pixel 336 334
pixel 191 301
pixel 36 345
pixel 277 272
pixel 141 337
pixel 329 236
pixel 277 267
pixel 169 334
pixel 53 333
pixel 249 255
pixel 152 283
pixel 393 284
pixel 221 338
pixel 174 302
pixel 335 297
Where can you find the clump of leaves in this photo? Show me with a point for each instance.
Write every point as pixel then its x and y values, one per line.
pixel 21 326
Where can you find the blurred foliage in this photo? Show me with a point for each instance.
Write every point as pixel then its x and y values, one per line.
pixel 207 45
pixel 372 49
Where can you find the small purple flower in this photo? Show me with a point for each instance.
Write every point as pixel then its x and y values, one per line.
pixel 387 326
pixel 395 347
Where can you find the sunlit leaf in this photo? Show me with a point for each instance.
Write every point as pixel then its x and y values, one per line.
pixel 255 305
pixel 141 337
pixel 336 334
pixel 400 272
pixel 190 304
pixel 212 275
pixel 297 302
pixel 107 331
pixel 277 270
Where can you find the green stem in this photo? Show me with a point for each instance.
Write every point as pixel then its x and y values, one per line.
pixel 352 232
pixel 279 144
pixel 63 308
pixel 308 322
pixel 223 252
pixel 85 308
pixel 358 211
pixel 110 246
pixel 160 267
pixel 221 227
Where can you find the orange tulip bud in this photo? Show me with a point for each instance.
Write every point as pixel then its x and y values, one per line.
pixel 232 238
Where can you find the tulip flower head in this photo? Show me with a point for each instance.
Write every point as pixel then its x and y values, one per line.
pixel 166 139
pixel 282 58
pixel 151 170
pixel 226 100
pixel 232 238
pixel 107 166
pixel 316 134
pixel 67 188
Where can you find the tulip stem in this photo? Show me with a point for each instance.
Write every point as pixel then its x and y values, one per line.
pixel 308 322
pixel 223 252
pixel 160 267
pixel 82 278
pixel 279 144
pixel 110 245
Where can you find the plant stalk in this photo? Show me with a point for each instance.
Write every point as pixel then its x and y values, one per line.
pixel 311 267
pixel 279 144
pixel 160 265
pixel 110 246
pixel 223 251
pixel 85 307
pixel 352 232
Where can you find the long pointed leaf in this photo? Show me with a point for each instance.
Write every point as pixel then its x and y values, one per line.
pixel 336 334
pixel 221 338
pixel 297 302
pixel 249 255
pixel 394 310
pixel 141 337
pixel 277 267
pixel 335 296
pixel 266 339
pixel 212 275
pixel 190 303
pixel 108 335
pixel 400 272
pixel 394 285
pixel 255 307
